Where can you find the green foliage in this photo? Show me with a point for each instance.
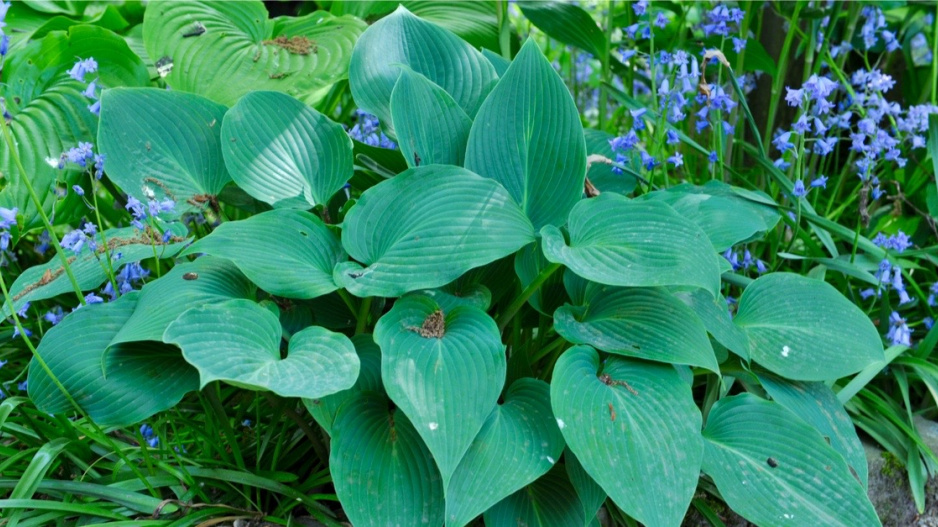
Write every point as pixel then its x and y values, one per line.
pixel 507 320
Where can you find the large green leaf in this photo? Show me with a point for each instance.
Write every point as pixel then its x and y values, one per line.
pixel 143 378
pixel 50 114
pixel 431 128
pixel 726 216
pixel 90 267
pixel 324 409
pixel 163 144
pixel 283 152
pixel 426 227
pixel 208 280
pixel 241 50
pixel 444 370
pixel 404 39
pixel 634 427
pixel 818 406
pixel 714 313
pixel 804 329
pixel 529 263
pixel 774 469
pixel 543 165
pixel 567 23
pixel 383 473
pixel 591 495
pixel 648 323
pixel 548 502
pixel 238 342
pixel 518 443
pixel 617 241
pixel 288 253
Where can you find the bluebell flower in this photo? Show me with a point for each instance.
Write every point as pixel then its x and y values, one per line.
pixel 23 386
pixel 623 143
pixel 801 125
pixel 713 157
pixel 781 164
pixel 899 332
pixel 44 242
pixel 146 431
pixel 246 423
pixel 640 7
pixel 873 21
pixel 899 242
pixel 95 108
pixel 794 97
pixel 4 44
pixel 21 312
pixel 368 130
pixel 99 164
pixel 54 315
pixel 824 145
pixel 671 137
pixel 928 322
pixel 78 190
pixel 80 154
pixel 648 161
pixel 761 267
pixel 16 332
pixel 90 90
pixel 661 20
pixel 153 442
pixel 799 191
pixel 733 258
pixel 932 294
pixel 739 44
pixel 82 68
pixel 783 143
pixel 677 159
pixel 820 181
pixel 728 129
pixel 92 298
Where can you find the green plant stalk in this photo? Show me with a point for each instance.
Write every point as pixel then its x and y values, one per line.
pixel 42 213
pixel 58 384
pixel 606 64
pixel 528 291
pixel 362 323
pixel 504 28
pixel 934 63
pixel 779 79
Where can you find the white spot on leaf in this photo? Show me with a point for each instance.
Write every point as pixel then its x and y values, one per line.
pixel 433 426
pixel 785 351
pixel 550 459
pixel 560 423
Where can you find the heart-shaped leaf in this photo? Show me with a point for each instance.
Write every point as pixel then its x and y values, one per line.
pixel 803 329
pixel 544 166
pixel 431 128
pixel 163 143
pixel 773 469
pixel 522 434
pixel 223 50
pixel 648 323
pixel 50 114
pixel 440 56
pixel 634 427
pixel 284 153
pixel 817 405
pixel 207 280
pixel 382 472
pixel 288 253
pixel 726 216
pixel 617 241
pixel 89 266
pixel 239 342
pixel 426 227
pixel 324 409
pixel 549 501
pixel 143 378
pixel 715 316
pixel 444 370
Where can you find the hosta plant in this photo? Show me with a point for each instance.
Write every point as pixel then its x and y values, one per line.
pixel 479 329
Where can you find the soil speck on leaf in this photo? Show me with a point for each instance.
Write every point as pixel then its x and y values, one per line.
pixel 434 326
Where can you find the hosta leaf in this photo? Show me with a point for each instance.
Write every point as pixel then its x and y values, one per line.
pixel 591 495
pixel 617 241
pixel 817 405
pixel 143 378
pixel 382 471
pixel 715 316
pixel 803 329
pixel 163 143
pixel 207 280
pixel 324 409
pixel 426 227
pixel 635 429
pixel 283 152
pixel 444 370
pixel 431 128
pixel 241 50
pixel 543 164
pixel 567 23
pixel 286 252
pixel 90 267
pixel 549 501
pixel 50 114
pixel 451 296
pixel 474 22
pixel 727 217
pixel 428 49
pixel 773 469
pixel 600 174
pixel 239 342
pixel 521 434
pixel 637 322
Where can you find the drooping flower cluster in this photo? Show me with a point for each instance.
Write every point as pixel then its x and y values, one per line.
pixel 889 275
pixel 367 130
pixel 153 208
pixel 78 72
pixel 127 279
pixel 82 155
pixel 149 435
pixel 744 261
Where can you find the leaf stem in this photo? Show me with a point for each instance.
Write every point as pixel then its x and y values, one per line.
pixel 363 312
pixel 42 213
pixel 525 295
